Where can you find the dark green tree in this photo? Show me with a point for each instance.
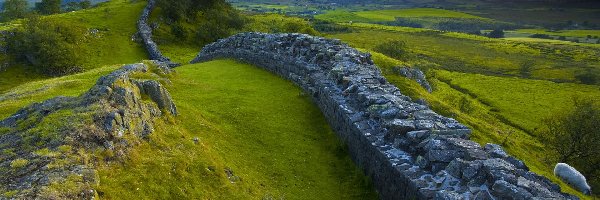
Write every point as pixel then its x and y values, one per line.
pixel 201 21
pixel 85 4
pixel 395 49
pixel 14 9
pixel 48 7
pixel 497 33
pixel 50 47
pixel 573 136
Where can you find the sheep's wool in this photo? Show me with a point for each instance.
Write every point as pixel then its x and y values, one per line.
pixel 572 177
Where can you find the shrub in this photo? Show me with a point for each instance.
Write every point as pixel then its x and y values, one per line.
pixel 48 7
pixel 497 33
pixel 48 46
pixel 395 49
pixel 589 78
pixel 329 27
pixel 574 135
pixel 14 9
pixel 201 21
pixel 538 35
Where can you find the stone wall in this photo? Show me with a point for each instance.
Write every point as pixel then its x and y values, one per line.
pixel 408 150
pixel 145 32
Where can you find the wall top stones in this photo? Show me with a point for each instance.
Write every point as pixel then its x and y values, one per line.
pixel 409 150
pixel 145 32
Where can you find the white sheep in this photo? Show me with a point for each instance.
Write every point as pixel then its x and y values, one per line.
pixel 572 177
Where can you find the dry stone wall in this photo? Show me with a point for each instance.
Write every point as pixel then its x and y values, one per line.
pixel 408 150
pixel 145 32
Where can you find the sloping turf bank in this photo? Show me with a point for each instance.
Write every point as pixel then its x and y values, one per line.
pixel 258 136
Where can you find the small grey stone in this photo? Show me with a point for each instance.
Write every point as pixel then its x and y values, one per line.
pixel 505 190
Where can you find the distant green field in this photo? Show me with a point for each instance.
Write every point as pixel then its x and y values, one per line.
pixel 527 102
pixel 390 15
pixel 476 54
pixel 248 120
pixel 566 33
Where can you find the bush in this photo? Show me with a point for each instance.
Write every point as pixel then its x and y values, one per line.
pixel 573 136
pixel 329 27
pixel 48 46
pixel 14 9
pixel 48 7
pixel 588 78
pixel 542 36
pixel 395 49
pixel 496 34
pixel 201 21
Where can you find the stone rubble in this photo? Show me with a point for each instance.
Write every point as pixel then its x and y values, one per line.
pixel 415 74
pixel 409 151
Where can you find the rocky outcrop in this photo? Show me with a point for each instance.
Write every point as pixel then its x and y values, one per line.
pixel 50 148
pixel 145 32
pixel 408 150
pixel 414 74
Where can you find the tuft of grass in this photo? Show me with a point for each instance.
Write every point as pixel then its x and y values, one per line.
pixel 248 121
pixel 19 163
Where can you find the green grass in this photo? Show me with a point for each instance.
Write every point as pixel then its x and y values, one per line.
pixel 494 108
pixel 475 54
pixel 36 91
pixel 390 15
pixel 248 120
pixel 566 33
pixel 528 102
pixel 116 22
pixel 16 75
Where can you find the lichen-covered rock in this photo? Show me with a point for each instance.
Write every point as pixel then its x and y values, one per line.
pixel 408 150
pixel 415 74
pixel 42 148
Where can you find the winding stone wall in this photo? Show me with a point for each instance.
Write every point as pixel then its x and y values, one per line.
pixel 145 32
pixel 407 149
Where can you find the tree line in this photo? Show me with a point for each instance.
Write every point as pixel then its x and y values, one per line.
pixel 17 9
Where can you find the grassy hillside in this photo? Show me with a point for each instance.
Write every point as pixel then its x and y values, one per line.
pixel 389 15
pixel 476 54
pixel 248 120
pixel 484 111
pixel 111 27
pixel 36 91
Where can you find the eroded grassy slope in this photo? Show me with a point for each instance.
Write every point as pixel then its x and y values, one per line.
pixel 248 121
